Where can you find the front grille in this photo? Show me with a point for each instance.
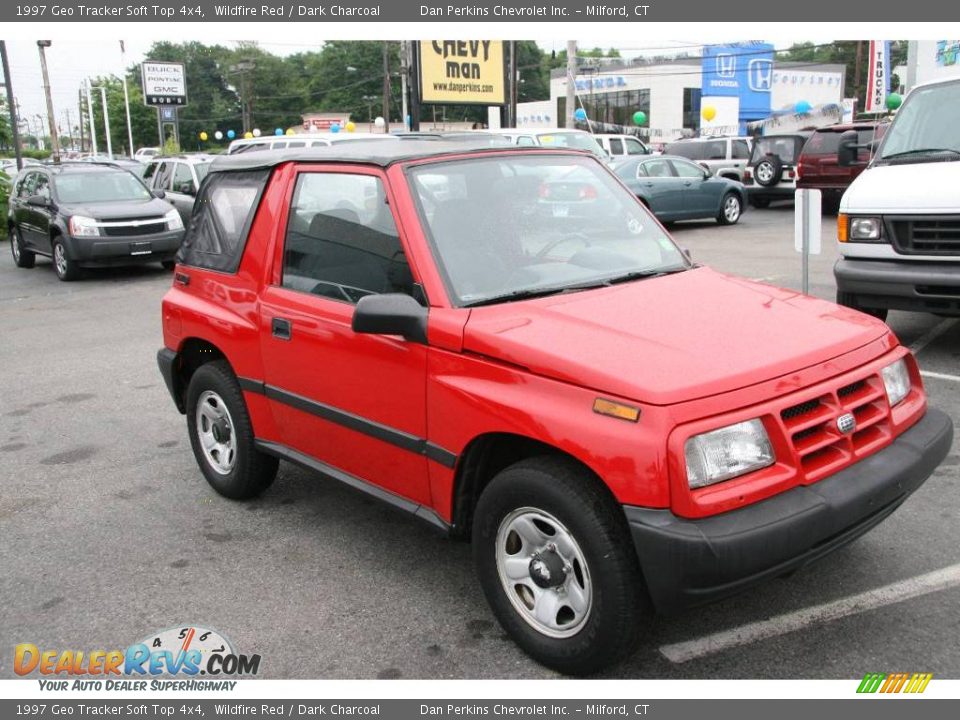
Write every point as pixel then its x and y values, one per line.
pixel 813 435
pixel 933 235
pixel 127 228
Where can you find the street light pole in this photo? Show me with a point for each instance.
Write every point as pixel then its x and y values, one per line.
pixel 42 45
pixel 11 105
pixel 106 120
pixel 126 95
pixel 93 125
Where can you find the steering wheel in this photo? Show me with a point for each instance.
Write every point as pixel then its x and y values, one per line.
pixel 545 250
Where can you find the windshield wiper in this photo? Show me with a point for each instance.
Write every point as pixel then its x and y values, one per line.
pixel 643 275
pixel 920 151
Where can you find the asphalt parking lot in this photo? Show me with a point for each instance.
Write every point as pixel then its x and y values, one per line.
pixel 110 533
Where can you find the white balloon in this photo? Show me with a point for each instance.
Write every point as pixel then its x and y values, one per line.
pixel 218 135
pixel 256 132
pixel 379 121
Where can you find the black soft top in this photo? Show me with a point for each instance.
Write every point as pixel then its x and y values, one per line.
pixel 382 153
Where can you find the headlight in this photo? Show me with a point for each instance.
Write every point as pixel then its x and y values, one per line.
pixel 174 222
pixel 727 453
pixel 864 228
pixel 81 226
pixel 896 381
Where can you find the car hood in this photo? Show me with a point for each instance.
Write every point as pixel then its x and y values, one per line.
pixel 669 339
pixel 153 207
pixel 908 188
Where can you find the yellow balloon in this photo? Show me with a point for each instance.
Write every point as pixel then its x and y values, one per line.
pixel 351 126
pixel 290 131
pixel 248 135
pixel 709 113
pixel 203 135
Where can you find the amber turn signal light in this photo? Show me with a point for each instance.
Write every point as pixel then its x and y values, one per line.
pixel 843 227
pixel 616 410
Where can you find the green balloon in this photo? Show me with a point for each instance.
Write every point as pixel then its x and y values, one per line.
pixel 639 117
pixel 894 101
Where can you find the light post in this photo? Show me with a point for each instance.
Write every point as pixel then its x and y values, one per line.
pixel 106 118
pixel 42 45
pixel 369 100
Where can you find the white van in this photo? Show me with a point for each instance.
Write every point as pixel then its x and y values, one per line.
pixel 554 137
pixel 898 229
pixel 619 147
pixel 282 142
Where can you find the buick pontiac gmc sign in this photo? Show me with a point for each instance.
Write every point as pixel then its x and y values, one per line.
pixel 164 83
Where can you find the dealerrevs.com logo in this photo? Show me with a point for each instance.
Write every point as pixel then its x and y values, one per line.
pixel 187 657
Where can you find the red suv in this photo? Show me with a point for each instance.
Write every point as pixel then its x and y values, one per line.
pixel 503 342
pixel 819 169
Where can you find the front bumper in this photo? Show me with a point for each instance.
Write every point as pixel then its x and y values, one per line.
pixel 126 250
pixel 901 285
pixel 690 562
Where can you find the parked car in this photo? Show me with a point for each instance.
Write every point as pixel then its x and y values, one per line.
pixel 675 188
pixel 179 178
pixel 724 156
pixel 818 167
pixel 8 166
pixel 284 142
pixel 554 138
pixel 772 172
pixel 621 147
pixel 608 423
pixel 898 229
pixel 145 153
pixel 89 215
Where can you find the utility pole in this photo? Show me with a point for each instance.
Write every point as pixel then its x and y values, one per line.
pixel 386 86
pixel 11 105
pixel 126 95
pixel 568 121
pixel 73 140
pixel 80 114
pixel 415 86
pixel 404 68
pixel 93 126
pixel 42 45
pixel 514 83
pixel 856 78
pixel 243 68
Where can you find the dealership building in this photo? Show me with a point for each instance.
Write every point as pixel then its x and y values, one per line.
pixel 740 83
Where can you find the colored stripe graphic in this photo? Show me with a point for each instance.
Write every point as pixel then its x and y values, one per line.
pixel 913 683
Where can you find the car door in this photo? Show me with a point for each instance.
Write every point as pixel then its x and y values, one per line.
pixel 43 214
pixel 23 213
pixel 183 191
pixel 162 175
pixel 660 186
pixel 698 195
pixel 354 402
pixel 616 147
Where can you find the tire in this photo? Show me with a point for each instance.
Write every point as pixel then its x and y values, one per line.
pixel 22 257
pixel 65 268
pixel 760 202
pixel 768 171
pixel 595 621
pixel 731 208
pixel 234 467
pixel 168 264
pixel 850 300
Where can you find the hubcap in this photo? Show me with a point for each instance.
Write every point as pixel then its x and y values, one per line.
pixel 731 209
pixel 544 572
pixel 215 432
pixel 59 259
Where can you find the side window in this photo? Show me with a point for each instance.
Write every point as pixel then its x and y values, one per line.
pixel 42 187
pixel 716 150
pixel 342 242
pixel 525 141
pixel 27 183
pixel 278 145
pixel 148 172
pixel 634 147
pixel 741 150
pixel 687 169
pixel 657 169
pixel 297 144
pixel 616 146
pixel 183 179
pixel 161 180
pixel 641 170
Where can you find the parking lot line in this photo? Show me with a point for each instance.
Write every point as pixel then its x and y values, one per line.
pixel 897 592
pixel 935 332
pixel 940 376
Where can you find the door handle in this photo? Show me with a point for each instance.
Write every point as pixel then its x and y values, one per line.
pixel 181 278
pixel 280 328
pixel 648 184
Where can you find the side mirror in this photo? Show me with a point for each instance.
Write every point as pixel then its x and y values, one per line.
pixel 847 152
pixel 159 194
pixel 391 314
pixel 38 201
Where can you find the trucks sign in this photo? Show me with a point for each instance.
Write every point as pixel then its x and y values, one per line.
pixel 462 72
pixel 164 83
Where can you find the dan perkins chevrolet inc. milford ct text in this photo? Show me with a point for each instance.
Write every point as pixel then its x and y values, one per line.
pixel 445 11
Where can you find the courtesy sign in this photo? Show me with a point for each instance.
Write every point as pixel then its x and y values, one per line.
pixel 462 72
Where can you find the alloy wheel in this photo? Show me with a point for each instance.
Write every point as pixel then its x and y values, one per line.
pixel 216 432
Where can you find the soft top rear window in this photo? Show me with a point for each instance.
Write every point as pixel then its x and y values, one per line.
pixel 221 220
pixel 786 147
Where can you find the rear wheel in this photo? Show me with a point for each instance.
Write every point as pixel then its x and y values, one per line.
pixel 760 202
pixel 65 268
pixel 731 207
pixel 557 565
pixel 850 300
pixel 22 257
pixel 221 434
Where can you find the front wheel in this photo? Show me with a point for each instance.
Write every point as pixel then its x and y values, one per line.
pixel 22 257
pixel 557 565
pixel 65 268
pixel 731 207
pixel 850 300
pixel 221 434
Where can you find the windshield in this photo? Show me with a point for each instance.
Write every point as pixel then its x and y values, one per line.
pixel 785 147
pixel 514 226
pixel 100 187
pixel 925 123
pixel 201 169
pixel 689 150
pixel 575 140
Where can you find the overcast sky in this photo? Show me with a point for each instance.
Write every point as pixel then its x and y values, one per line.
pixel 69 62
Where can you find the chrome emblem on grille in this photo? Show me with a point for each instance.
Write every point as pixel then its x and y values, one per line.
pixel 846 423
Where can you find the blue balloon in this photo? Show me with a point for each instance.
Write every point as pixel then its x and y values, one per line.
pixel 803 107
pixel 231 134
pixel 335 128
pixel 580 114
pixel 278 131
